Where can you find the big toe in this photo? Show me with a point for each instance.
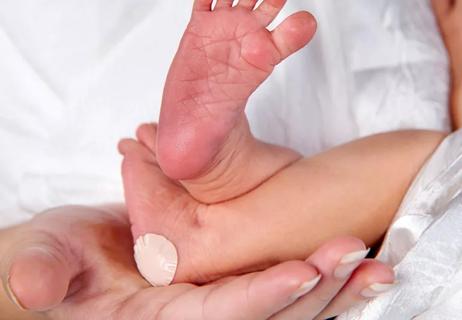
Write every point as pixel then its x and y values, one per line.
pixel 294 33
pixel 147 136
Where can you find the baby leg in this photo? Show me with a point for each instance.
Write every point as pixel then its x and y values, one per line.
pixel 352 190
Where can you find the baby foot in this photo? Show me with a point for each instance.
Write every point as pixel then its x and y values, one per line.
pixel 157 205
pixel 225 54
pixel 160 206
pixel 449 15
pixel 206 245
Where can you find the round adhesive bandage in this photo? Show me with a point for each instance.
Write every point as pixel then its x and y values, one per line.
pixel 156 258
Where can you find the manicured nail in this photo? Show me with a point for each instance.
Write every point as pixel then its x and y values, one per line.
pixel 305 288
pixel 156 258
pixel 349 263
pixel 11 295
pixel 376 289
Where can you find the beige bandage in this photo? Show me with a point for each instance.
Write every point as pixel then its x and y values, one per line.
pixel 156 258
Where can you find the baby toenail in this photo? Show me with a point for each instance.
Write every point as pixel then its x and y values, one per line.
pixel 156 258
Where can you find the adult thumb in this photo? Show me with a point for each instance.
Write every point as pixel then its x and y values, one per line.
pixel 38 273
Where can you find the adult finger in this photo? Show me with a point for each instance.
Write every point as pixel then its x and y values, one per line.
pixel 371 279
pixel 441 7
pixel 254 296
pixel 336 262
pixel 458 5
pixel 37 271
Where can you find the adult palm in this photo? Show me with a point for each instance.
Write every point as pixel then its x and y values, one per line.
pixel 77 263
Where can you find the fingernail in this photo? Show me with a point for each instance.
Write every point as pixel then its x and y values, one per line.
pixel 11 295
pixel 349 263
pixel 376 289
pixel 156 258
pixel 305 288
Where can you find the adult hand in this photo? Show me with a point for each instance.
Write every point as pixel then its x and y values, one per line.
pixel 77 263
